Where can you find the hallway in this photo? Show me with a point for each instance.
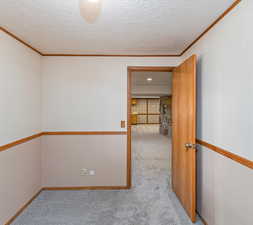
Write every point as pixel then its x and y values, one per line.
pixel 151 172
pixel 149 202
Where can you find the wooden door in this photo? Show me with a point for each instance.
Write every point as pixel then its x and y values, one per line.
pixel 184 135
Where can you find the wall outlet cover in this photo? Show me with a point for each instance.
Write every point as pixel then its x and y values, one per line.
pixel 92 172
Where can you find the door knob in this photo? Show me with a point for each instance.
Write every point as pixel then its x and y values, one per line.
pixel 190 146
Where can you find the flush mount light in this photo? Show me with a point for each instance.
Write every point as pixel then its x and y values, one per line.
pixel 149 79
pixel 90 9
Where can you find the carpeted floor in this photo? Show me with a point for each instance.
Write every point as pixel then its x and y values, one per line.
pixel 150 202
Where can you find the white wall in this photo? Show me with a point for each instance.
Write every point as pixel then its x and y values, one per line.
pixel 72 87
pixel 224 190
pixel 225 82
pixel 63 157
pixel 225 109
pixel 88 93
pixel 20 177
pixel 20 114
pixel 20 106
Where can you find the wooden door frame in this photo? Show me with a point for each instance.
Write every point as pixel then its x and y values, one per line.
pixel 130 70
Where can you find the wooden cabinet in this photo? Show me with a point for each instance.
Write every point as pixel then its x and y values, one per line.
pixel 134 101
pixel 133 119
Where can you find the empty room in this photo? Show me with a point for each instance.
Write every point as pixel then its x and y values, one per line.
pixel 130 112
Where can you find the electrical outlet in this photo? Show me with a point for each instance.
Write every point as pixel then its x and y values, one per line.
pixel 84 172
pixel 92 172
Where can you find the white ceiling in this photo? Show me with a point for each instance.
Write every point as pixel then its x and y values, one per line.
pixel 124 26
pixel 160 85
pixel 158 78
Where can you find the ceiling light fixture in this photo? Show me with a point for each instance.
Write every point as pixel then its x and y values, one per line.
pixel 149 79
pixel 90 9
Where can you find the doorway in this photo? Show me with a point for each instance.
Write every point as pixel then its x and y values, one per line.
pixel 183 159
pixel 131 70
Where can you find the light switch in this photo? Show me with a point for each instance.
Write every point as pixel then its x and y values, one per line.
pixel 123 123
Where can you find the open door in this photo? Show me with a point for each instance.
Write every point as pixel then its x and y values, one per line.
pixel 184 135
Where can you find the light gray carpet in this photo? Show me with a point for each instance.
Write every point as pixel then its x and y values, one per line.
pixel 150 202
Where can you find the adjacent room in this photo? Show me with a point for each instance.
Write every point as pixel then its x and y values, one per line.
pixel 126 112
pixel 151 108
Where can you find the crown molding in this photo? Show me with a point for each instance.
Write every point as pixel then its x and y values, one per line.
pixel 20 40
pixel 112 55
pixel 230 8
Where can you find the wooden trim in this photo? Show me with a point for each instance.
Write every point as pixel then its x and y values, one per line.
pixel 145 114
pixel 201 218
pixel 146 110
pixel 22 208
pixel 146 98
pixel 131 55
pixel 129 131
pixel 23 140
pixel 85 188
pixel 84 55
pixel 20 141
pixel 21 41
pixel 211 26
pixel 110 55
pixel 151 69
pixel 85 133
pixel 236 2
pixel 147 123
pixel 227 154
pixel 131 69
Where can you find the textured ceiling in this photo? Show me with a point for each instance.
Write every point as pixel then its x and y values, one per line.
pixel 124 26
pixel 160 85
